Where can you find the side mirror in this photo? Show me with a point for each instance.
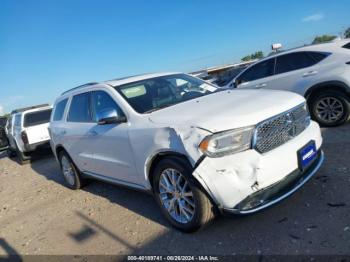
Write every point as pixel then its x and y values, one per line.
pixel 109 116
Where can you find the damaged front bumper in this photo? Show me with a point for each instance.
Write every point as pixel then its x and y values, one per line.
pixel 249 181
pixel 277 192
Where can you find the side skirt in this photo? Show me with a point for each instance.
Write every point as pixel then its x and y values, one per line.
pixel 116 182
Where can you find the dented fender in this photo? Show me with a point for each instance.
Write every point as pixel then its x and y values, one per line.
pixel 148 143
pixel 229 179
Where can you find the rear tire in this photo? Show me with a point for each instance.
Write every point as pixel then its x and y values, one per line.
pixel 22 157
pixel 187 199
pixel 329 108
pixel 70 172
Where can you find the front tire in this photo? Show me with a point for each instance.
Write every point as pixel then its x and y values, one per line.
pixel 180 198
pixel 330 108
pixel 70 172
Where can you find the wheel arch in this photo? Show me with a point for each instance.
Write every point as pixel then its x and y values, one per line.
pixel 162 155
pixel 156 158
pixel 328 85
pixel 58 149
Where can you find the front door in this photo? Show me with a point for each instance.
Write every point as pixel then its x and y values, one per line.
pixel 112 153
pixel 257 76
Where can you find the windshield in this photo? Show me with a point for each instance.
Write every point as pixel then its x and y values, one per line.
pixel 227 76
pixel 152 94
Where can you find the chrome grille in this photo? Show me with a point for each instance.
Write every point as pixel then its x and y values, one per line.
pixel 277 130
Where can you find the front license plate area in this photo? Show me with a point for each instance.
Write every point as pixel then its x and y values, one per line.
pixel 306 155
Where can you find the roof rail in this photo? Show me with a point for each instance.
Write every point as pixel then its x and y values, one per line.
pixel 19 110
pixel 77 87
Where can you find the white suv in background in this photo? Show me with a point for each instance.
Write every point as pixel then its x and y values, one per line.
pixel 320 73
pixel 197 148
pixel 27 131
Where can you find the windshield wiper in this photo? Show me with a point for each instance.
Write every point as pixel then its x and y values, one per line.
pixel 157 108
pixel 219 90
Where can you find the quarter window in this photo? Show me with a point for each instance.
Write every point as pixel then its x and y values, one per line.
pixel 79 110
pixel 318 56
pixel 102 101
pixel 17 121
pixel 260 70
pixel 295 61
pixel 59 110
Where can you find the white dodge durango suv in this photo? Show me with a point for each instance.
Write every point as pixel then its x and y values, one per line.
pixel 197 148
pixel 320 73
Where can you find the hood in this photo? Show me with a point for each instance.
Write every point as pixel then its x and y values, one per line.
pixel 227 109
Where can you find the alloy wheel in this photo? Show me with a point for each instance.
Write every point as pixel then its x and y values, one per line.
pixel 67 170
pixel 329 109
pixel 176 195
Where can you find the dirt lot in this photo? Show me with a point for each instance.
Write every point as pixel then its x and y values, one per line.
pixel 39 215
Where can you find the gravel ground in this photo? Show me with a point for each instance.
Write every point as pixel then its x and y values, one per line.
pixel 39 215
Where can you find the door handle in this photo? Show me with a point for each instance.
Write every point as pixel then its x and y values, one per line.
pixel 261 85
pixel 63 132
pixel 310 73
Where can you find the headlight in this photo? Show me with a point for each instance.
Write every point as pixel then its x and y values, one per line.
pixel 227 142
pixel 307 118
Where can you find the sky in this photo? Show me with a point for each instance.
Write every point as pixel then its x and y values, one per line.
pixel 49 46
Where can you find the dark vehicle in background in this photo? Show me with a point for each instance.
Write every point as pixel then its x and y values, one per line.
pixel 3 136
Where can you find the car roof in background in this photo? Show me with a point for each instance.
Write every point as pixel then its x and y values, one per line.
pixel 321 47
pixel 20 110
pixel 313 47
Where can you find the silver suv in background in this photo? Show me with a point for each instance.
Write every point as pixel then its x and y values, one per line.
pixel 27 131
pixel 320 73
pixel 196 147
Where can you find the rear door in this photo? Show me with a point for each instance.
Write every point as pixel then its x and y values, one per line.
pixel 258 75
pixel 36 125
pixel 76 134
pixel 296 71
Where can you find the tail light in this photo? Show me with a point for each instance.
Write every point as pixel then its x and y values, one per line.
pixel 24 137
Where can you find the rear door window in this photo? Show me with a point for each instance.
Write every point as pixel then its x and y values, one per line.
pixel 79 110
pixel 59 110
pixel 295 61
pixel 37 118
pixel 258 71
